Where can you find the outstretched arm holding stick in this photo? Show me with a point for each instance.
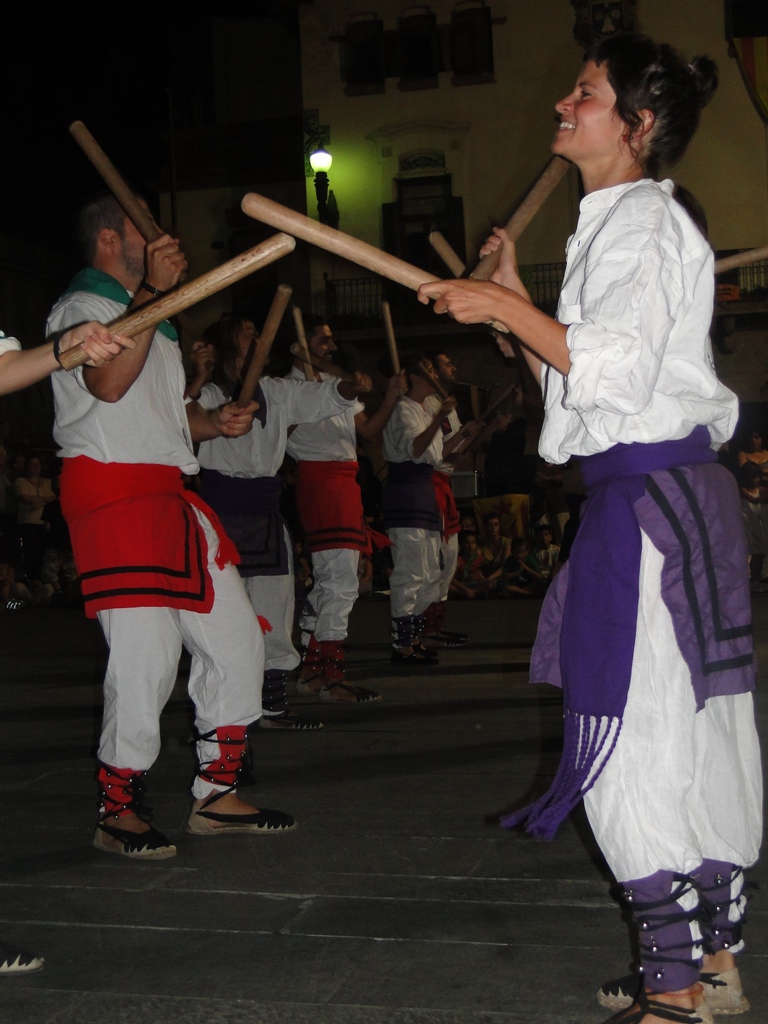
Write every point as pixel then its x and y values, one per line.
pixel 21 368
pixel 507 303
pixel 234 418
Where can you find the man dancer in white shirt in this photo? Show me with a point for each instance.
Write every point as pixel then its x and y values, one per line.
pixel 413 447
pixel 331 511
pixel 240 480
pixel 454 438
pixel 155 564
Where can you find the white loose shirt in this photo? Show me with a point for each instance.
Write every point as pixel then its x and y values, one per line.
pixel 408 420
pixel 262 450
pixel 333 440
pixel 148 424
pixel 8 344
pixel 637 298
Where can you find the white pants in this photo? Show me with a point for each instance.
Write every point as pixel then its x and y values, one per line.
pixel 449 558
pixel 333 594
pixel 273 597
pixel 144 648
pixel 681 785
pixel 415 580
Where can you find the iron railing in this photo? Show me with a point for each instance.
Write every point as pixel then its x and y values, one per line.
pixel 356 300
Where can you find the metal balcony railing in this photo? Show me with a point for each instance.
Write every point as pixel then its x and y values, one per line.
pixel 353 300
pixel 753 281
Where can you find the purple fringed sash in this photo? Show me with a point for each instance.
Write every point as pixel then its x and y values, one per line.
pixel 408 498
pixel 250 513
pixel 688 506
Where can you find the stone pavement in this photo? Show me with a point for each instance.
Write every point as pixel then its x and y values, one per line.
pixel 398 900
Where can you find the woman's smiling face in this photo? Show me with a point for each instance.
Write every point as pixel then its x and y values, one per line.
pixel 590 130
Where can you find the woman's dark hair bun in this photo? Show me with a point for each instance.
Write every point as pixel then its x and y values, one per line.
pixel 705 75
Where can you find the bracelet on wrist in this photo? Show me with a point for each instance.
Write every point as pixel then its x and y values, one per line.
pixel 57 346
pixel 144 285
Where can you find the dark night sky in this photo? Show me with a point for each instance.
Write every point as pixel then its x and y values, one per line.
pixel 112 74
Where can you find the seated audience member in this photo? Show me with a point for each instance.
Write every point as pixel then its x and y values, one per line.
pixel 546 552
pixel 467 522
pixel 522 576
pixel 496 548
pixel 34 492
pixel 753 450
pixel 469 580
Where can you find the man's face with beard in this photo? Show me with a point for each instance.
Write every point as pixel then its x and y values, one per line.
pixel 321 343
pixel 446 371
pixel 132 250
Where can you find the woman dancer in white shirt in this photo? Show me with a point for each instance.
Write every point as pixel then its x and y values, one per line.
pixel 656 660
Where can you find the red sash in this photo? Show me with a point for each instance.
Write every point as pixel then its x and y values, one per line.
pixel 136 538
pixel 446 504
pixel 330 506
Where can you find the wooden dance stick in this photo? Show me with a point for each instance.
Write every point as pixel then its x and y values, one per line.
pixel 524 214
pixel 474 401
pixel 431 376
pixel 318 364
pixel 143 222
pixel 491 412
pixel 487 421
pixel 349 248
pixel 741 259
pixel 115 182
pixel 448 255
pixel 394 355
pixel 298 321
pixel 195 291
pixel 264 344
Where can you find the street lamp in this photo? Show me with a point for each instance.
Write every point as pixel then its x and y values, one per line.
pixel 328 213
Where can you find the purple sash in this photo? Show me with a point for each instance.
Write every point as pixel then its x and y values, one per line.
pixel 408 498
pixel 688 505
pixel 250 513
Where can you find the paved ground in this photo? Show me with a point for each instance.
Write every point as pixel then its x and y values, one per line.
pixel 396 901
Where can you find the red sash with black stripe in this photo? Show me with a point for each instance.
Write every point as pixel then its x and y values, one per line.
pixel 330 506
pixel 136 538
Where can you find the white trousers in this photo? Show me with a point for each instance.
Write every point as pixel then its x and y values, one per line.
pixel 144 648
pixel 449 558
pixel 333 595
pixel 415 581
pixel 273 597
pixel 681 785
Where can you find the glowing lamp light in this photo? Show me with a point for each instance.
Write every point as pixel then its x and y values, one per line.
pixel 320 160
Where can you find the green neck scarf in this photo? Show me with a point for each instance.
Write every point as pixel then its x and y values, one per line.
pixel 98 283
